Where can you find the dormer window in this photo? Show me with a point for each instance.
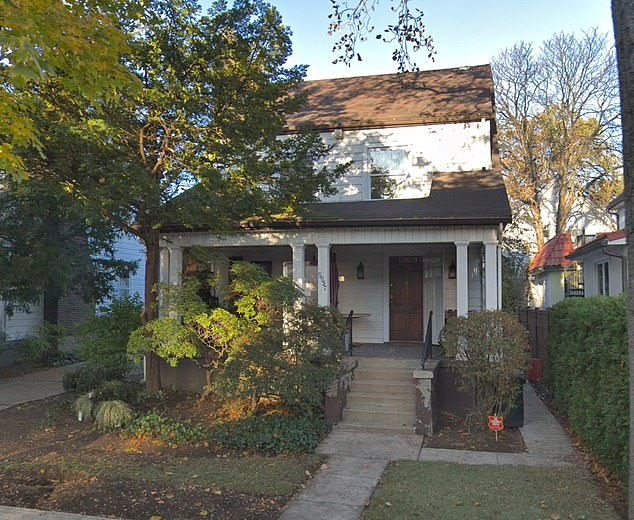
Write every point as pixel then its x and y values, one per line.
pixel 387 169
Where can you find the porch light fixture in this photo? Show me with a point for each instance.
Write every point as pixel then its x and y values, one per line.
pixel 452 270
pixel 338 134
pixel 360 271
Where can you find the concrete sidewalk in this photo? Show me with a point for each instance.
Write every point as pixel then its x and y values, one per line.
pixel 19 513
pixel 32 387
pixel 357 460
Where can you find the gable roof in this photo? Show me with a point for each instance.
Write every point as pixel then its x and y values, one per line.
pixel 601 240
pixel 616 201
pixel 553 253
pixel 413 98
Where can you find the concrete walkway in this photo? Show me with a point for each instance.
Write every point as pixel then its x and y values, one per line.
pixel 19 513
pixel 32 387
pixel 357 460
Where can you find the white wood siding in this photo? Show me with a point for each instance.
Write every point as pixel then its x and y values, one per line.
pixel 430 148
pixel 22 324
pixel 131 249
pixel 590 279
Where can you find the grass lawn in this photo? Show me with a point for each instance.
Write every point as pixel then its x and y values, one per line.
pixel 445 491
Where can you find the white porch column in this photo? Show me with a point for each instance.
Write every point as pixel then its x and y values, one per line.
pixel 164 265
pixel 175 271
pixel 490 275
pixel 323 274
pixel 499 277
pixel 462 278
pixel 299 267
pixel 175 265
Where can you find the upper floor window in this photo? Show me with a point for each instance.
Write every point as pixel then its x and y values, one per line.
pixel 387 167
pixel 603 278
pixel 123 287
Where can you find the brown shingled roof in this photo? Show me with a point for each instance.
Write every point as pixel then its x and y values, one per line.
pixel 472 197
pixel 413 98
pixel 553 253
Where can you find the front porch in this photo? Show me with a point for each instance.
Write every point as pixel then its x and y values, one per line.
pixel 391 277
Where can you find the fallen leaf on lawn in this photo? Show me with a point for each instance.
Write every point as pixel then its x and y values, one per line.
pixel 155 517
pixel 204 512
pixel 388 504
pixel 217 492
pixel 555 516
pixel 307 473
pixel 169 473
pixel 476 504
pixel 323 467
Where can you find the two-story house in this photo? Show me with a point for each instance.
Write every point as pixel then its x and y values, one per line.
pixel 416 223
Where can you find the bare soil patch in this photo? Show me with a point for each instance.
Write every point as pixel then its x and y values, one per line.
pixel 452 433
pixel 50 461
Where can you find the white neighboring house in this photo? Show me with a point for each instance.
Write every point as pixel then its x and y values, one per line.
pixel 131 249
pixel 430 243
pixel 604 258
pixel 71 309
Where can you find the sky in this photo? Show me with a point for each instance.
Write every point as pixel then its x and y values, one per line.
pixel 465 32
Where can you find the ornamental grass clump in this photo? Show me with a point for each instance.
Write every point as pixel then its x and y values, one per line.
pixel 112 414
pixel 489 354
pixel 84 407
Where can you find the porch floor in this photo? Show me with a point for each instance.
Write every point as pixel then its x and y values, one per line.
pixel 393 349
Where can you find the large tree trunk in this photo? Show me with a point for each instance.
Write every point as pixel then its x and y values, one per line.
pixel 150 312
pixel 623 19
pixel 538 225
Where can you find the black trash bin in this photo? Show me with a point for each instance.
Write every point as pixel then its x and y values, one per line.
pixel 515 417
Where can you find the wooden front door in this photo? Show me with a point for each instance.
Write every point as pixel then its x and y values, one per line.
pixel 406 298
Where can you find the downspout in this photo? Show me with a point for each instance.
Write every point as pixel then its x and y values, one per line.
pixel 622 258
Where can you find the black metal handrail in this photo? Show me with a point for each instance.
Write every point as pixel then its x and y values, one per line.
pixel 427 341
pixel 347 335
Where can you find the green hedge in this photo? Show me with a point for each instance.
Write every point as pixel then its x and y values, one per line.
pixel 588 373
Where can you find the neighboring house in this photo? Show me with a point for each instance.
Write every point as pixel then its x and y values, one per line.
pixel 71 309
pixel 431 242
pixel 604 259
pixel 130 249
pixel 552 276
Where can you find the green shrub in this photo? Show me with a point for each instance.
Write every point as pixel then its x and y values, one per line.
pixel 104 337
pixel 117 391
pixel 41 348
pixel 85 407
pixel 587 370
pixel 112 414
pixel 293 362
pixel 271 434
pixel 88 378
pixel 489 350
pixel 171 431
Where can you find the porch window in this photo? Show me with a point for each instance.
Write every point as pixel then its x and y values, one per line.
pixel 603 278
pixel 387 168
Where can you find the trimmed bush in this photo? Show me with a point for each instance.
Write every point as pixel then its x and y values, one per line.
pixel 271 434
pixel 587 370
pixel 88 378
pixel 117 391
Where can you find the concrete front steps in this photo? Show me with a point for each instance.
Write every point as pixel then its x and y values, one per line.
pixel 382 396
